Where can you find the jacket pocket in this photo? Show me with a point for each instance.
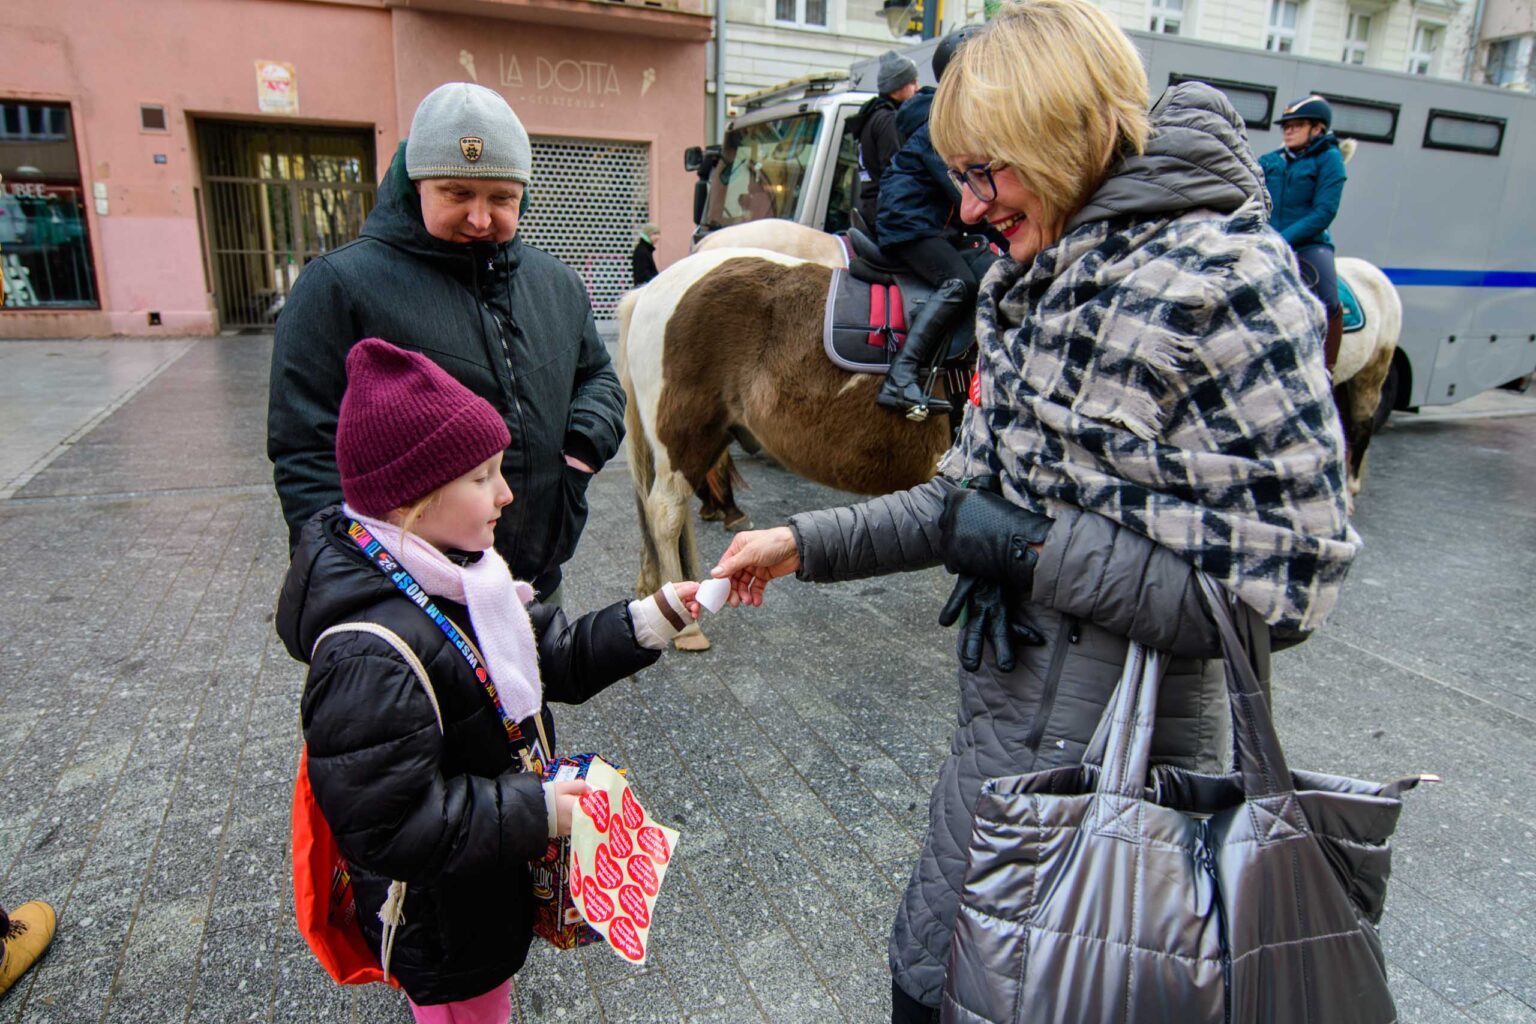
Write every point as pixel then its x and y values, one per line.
pixel 573 513
pixel 1066 636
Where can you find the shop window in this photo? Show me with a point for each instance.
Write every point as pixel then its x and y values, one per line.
pixel 45 253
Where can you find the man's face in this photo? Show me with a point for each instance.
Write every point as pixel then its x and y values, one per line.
pixel 905 93
pixel 470 209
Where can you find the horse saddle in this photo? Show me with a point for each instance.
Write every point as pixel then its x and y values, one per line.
pixel 1354 313
pixel 869 306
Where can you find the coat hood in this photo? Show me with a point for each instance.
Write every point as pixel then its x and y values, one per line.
pixel 1197 157
pixel 913 114
pixel 396 221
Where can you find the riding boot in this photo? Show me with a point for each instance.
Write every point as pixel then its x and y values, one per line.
pixel 1333 337
pixel 928 333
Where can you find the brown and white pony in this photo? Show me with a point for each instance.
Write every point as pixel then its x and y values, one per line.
pixel 1365 357
pixel 730 340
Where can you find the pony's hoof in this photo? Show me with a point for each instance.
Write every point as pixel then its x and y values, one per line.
pixel 738 524
pixel 712 515
pixel 691 639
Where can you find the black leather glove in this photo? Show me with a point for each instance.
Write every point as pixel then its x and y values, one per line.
pixel 984 539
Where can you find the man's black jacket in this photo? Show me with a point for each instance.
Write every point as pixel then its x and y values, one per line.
pixel 875 127
pixel 511 322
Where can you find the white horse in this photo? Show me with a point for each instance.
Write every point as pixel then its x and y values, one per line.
pixel 1365 357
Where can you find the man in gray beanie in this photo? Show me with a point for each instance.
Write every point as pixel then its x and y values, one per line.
pixel 441 269
pixel 875 126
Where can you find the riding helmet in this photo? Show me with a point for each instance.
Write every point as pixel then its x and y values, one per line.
pixel 947 48
pixel 1308 108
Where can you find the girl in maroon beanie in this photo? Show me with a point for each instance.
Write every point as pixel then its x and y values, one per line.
pixel 435 797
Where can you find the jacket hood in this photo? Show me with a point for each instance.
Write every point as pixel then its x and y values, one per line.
pixel 1197 157
pixel 857 122
pixel 913 114
pixel 396 220
pixel 329 581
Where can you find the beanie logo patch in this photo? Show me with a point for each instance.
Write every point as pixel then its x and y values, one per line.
pixel 472 146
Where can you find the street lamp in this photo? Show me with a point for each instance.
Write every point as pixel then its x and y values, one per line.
pixel 898 14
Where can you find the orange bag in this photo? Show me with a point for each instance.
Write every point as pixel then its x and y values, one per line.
pixel 322 894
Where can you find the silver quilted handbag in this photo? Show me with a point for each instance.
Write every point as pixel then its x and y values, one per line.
pixel 1117 892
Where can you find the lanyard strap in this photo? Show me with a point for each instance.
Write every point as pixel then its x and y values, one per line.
pixel 532 753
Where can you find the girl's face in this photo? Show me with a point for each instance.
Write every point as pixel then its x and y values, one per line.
pixel 1015 212
pixel 464 515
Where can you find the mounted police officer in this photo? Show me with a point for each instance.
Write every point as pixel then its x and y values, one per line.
pixel 875 126
pixel 1306 181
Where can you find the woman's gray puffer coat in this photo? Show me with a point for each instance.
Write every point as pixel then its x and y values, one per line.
pixel 1096 584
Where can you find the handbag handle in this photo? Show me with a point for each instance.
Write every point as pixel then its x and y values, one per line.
pixel 1122 743
pixel 1257 753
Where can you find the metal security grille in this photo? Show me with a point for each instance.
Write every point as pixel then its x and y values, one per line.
pixel 277 196
pixel 587 202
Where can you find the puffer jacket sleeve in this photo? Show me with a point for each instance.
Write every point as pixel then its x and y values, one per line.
pixel 596 424
pixel 578 660
pixel 893 533
pixel 309 348
pixel 1094 569
pixel 375 763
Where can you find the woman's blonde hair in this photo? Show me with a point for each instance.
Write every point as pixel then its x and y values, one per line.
pixel 1053 89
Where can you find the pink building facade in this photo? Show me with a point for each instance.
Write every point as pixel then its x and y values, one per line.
pixel 169 165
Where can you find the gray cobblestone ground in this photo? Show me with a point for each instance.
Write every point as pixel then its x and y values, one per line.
pixel 149 731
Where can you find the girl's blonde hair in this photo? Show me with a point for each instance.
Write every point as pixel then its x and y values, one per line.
pixel 416 509
pixel 1051 88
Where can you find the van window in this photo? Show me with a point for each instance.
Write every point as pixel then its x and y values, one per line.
pixel 845 176
pixel 1465 133
pixel 1366 120
pixel 761 169
pixel 1255 103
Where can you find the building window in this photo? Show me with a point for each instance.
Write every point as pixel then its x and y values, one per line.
pixel 45 253
pixel 1426 47
pixel 1167 17
pixel 1503 62
pixel 1284 15
pixel 811 13
pixel 1357 39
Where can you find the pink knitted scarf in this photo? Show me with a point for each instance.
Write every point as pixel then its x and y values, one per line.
pixel 497 611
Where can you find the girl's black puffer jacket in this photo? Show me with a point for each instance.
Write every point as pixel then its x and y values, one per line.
pixel 445 812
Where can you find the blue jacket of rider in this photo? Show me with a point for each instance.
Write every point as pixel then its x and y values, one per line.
pixel 1305 189
pixel 917 197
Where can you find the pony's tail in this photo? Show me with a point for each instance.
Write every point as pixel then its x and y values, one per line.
pixel 642 465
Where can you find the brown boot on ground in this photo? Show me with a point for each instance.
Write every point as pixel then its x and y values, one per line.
pixel 30 931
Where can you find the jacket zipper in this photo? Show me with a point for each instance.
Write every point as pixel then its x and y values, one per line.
pixel 1206 858
pixel 1066 636
pixel 503 328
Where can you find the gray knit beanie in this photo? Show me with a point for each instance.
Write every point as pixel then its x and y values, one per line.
pixel 462 130
pixel 895 72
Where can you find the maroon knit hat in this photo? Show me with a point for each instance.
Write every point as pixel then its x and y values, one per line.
pixel 406 428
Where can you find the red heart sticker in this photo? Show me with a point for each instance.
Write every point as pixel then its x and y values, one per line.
pixel 625 938
pixel 634 817
pixel 654 842
pixel 633 902
pixel 595 803
pixel 618 838
pixel 599 904
pixel 643 872
pixel 606 869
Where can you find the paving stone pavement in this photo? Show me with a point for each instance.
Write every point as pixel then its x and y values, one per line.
pixel 149 735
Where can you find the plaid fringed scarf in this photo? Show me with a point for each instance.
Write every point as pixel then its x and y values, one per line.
pixel 1168 373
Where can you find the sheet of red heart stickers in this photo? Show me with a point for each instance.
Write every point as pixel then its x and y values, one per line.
pixel 619 857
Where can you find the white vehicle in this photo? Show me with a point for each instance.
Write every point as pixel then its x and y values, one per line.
pixel 1439 192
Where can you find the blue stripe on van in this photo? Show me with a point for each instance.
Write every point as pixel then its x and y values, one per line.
pixel 1423 276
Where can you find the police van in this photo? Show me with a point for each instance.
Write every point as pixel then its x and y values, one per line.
pixel 1439 193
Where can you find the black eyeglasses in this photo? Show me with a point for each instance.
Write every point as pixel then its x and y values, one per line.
pixel 978 178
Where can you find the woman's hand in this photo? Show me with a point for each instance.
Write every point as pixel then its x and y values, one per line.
pixel 753 559
pixel 567 793
pixel 688 593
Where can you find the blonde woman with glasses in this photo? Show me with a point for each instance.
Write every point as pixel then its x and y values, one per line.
pixel 1151 402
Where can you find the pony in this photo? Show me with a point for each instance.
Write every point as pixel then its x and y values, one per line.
pixel 729 341
pixel 782 236
pixel 1365 358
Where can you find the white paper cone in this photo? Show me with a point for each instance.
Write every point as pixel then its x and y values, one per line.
pixel 712 594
